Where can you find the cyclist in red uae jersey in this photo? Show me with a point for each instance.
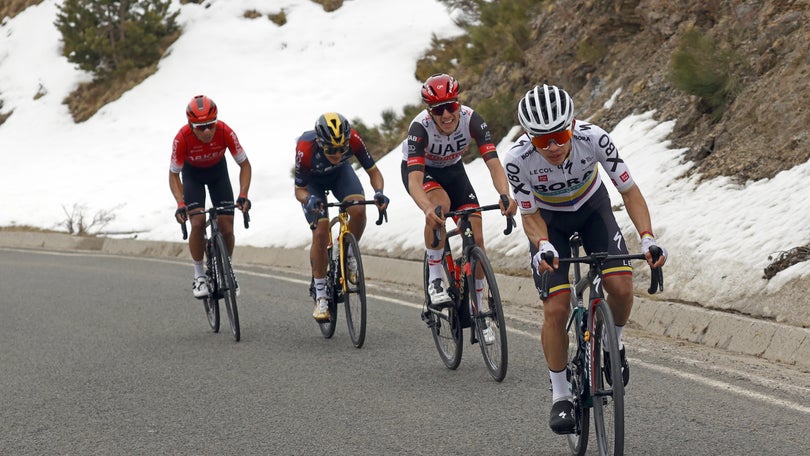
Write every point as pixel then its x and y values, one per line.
pixel 554 173
pixel 198 155
pixel 434 175
pixel 322 164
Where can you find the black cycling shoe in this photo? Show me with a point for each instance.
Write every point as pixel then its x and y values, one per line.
pixel 562 420
pixel 625 367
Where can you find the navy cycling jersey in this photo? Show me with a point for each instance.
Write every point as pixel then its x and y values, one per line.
pixel 311 161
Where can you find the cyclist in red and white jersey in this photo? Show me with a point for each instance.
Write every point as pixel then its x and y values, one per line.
pixel 434 175
pixel 322 164
pixel 198 154
pixel 554 173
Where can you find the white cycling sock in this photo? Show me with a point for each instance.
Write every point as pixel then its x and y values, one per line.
pixel 199 270
pixel 434 263
pixel 479 293
pixel 559 385
pixel 619 331
pixel 320 288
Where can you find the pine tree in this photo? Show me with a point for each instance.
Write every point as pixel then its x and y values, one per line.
pixel 110 37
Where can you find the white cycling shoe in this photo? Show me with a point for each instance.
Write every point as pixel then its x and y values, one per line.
pixel 437 293
pixel 200 287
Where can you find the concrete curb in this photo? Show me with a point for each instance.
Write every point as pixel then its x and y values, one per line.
pixel 725 330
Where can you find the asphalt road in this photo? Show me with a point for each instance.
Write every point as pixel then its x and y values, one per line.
pixel 111 355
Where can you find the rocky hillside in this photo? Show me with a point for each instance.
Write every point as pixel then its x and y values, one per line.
pixel 761 131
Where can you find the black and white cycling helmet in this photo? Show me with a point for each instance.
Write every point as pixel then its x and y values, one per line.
pixel 545 109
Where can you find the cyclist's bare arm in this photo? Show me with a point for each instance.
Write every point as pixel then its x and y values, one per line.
pixel 377 182
pixel 536 230
pixel 415 179
pixel 501 184
pixel 301 194
pixel 245 174
pixel 176 186
pixel 639 214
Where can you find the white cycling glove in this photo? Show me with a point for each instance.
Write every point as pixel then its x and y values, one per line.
pixel 647 241
pixel 544 247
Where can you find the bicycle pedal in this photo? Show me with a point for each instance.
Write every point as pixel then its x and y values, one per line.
pixel 429 321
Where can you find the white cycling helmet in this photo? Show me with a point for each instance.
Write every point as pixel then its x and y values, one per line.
pixel 545 109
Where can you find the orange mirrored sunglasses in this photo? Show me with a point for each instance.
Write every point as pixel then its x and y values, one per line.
pixel 559 137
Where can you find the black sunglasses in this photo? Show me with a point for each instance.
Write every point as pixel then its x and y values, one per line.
pixel 439 109
pixel 336 150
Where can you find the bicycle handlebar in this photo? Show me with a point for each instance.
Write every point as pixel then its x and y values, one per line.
pixel 656 274
pixel 212 213
pixel 464 213
pixel 343 205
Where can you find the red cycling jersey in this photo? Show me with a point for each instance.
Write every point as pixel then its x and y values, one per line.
pixel 186 148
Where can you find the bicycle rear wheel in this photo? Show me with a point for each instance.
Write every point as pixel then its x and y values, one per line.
pixel 488 315
pixel 608 402
pixel 227 284
pixel 578 441
pixel 328 327
pixel 444 324
pixel 355 295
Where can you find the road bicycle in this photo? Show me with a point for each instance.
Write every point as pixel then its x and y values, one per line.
pixel 338 286
pixel 477 309
pixel 218 271
pixel 592 333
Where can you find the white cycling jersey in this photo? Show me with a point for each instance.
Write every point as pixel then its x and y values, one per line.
pixel 536 183
pixel 427 146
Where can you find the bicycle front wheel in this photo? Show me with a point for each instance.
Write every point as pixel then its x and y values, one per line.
pixel 444 324
pixel 227 284
pixel 608 401
pixel 355 291
pixel 490 328
pixel 211 305
pixel 211 302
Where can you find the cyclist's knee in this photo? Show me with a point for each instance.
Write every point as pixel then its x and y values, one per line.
pixel 357 214
pixel 556 309
pixel 619 288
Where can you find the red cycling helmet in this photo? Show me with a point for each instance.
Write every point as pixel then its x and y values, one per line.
pixel 201 110
pixel 440 88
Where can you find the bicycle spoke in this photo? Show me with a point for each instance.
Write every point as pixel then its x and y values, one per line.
pixel 227 282
pixel 490 326
pixel 608 402
pixel 444 325
pixel 355 296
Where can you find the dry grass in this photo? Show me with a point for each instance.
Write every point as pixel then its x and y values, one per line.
pixel 329 5
pixel 27 228
pixel 10 8
pixel 89 97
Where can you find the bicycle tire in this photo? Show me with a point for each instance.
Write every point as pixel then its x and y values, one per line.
pixel 211 307
pixel 210 302
pixel 608 402
pixel 577 376
pixel 354 297
pixel 328 327
pixel 226 278
pixel 444 324
pixel 489 315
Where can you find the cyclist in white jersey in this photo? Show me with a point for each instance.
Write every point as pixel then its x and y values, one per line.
pixel 554 173
pixel 433 173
